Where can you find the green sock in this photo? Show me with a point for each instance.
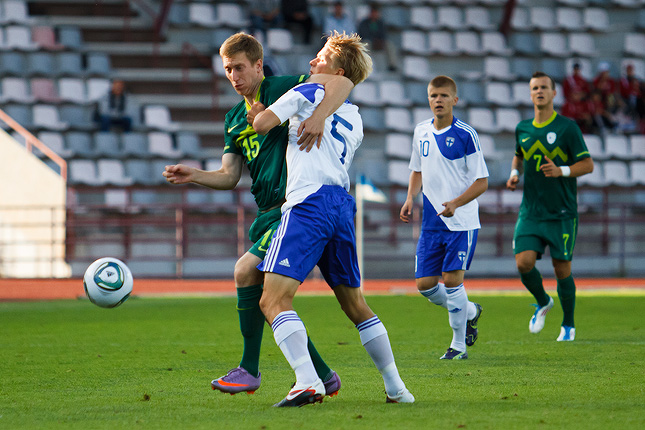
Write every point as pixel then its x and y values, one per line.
pixel 323 371
pixel 532 280
pixel 251 325
pixel 567 295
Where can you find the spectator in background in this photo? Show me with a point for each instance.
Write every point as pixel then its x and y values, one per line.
pixel 340 20
pixel 576 107
pixel 372 29
pixel 631 92
pixel 575 83
pixel 264 14
pixel 115 108
pixel 297 12
pixel 604 83
pixel 603 121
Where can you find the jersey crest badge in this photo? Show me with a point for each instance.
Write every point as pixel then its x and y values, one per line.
pixel 461 255
pixel 450 141
pixel 550 137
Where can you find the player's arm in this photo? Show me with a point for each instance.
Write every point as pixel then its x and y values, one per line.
pixel 414 187
pixel 337 89
pixel 264 119
pixel 579 168
pixel 475 190
pixel 226 178
pixel 517 166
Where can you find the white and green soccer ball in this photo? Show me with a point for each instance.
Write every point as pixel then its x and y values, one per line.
pixel 108 282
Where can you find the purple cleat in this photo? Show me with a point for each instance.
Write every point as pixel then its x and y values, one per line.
pixel 236 381
pixel 332 385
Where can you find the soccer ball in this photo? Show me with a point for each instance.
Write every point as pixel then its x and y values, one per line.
pixel 108 282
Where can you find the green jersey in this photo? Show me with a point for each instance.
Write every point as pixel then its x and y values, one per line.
pixel 264 155
pixel 559 139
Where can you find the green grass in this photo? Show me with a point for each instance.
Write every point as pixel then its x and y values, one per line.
pixel 148 364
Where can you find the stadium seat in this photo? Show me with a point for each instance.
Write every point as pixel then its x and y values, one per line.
pixel 46 116
pixel 78 117
pixel 526 44
pixel 15 11
pixel 279 40
pixel 45 38
pixel 98 64
pixel 41 64
pixel 554 44
pixel 112 172
pixel 231 15
pixel 637 169
pixel 422 17
pixel 394 16
pixel 398 119
pixel 582 44
pixel 373 119
pixel 70 37
pixel 398 172
pixel 595 146
pixel 72 90
pixel 83 172
pixel 44 90
pixel 398 145
pixel 19 113
pixel 596 19
pixel 55 142
pixel 499 94
pixel 507 119
pixel 161 144
pixel 19 37
pixel 637 146
pixel 617 147
pixel 392 92
pixel 450 18
pixel 15 89
pixel 498 68
pixel 488 147
pixel 468 43
pixel 482 119
pixel 542 18
pixel 521 94
pixel 441 42
pixel 558 100
pixel 585 66
pixel 634 43
pixel 189 144
pixel 523 68
pixel 478 18
pixel 616 173
pixel 416 68
pixel 568 19
pixel 495 43
pixel 158 116
pixel 202 13
pixel 595 178
pixel 79 143
pixel 471 93
pixel 12 63
pixel 135 144
pixel 97 88
pixel 554 67
pixel 520 19
pixel 106 144
pixel 140 171
pixel 366 94
pixel 178 15
pixel 420 114
pixel 69 64
pixel 414 42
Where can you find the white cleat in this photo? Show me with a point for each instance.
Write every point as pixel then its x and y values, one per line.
pixel 403 396
pixel 567 334
pixel 537 320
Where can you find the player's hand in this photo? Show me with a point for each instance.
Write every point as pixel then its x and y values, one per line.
pixel 178 174
pixel 512 182
pixel 449 210
pixel 549 169
pixel 311 132
pixel 256 108
pixel 406 211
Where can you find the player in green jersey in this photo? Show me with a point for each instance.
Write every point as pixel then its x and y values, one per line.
pixel 551 152
pixel 242 57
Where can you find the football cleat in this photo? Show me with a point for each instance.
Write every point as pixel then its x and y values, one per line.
pixel 301 395
pixel 236 381
pixel 471 327
pixel 537 320
pixel 567 334
pixel 403 396
pixel 332 385
pixel 453 354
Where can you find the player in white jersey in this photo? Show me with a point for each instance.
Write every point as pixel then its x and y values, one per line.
pixel 448 164
pixel 317 226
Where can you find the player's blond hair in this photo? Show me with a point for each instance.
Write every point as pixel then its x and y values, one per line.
pixel 242 42
pixel 443 81
pixel 351 55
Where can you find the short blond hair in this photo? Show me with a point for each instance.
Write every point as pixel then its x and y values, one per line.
pixel 242 42
pixel 351 55
pixel 443 81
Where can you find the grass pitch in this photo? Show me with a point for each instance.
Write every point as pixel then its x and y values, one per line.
pixel 149 363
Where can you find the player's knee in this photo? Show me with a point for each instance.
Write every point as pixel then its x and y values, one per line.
pixel 246 274
pixel 524 266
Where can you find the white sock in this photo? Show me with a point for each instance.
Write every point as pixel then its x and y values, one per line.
pixel 291 336
pixel 457 312
pixel 436 295
pixel 377 344
pixel 472 311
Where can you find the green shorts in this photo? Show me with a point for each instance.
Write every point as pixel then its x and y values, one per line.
pixel 559 235
pixel 262 230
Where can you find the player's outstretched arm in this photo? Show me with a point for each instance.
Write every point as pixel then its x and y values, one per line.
pixel 337 90
pixel 264 119
pixel 226 178
pixel 475 190
pixel 414 187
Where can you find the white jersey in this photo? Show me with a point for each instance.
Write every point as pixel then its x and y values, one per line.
pixel 449 160
pixel 329 164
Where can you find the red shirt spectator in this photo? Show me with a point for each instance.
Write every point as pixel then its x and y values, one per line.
pixel 575 83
